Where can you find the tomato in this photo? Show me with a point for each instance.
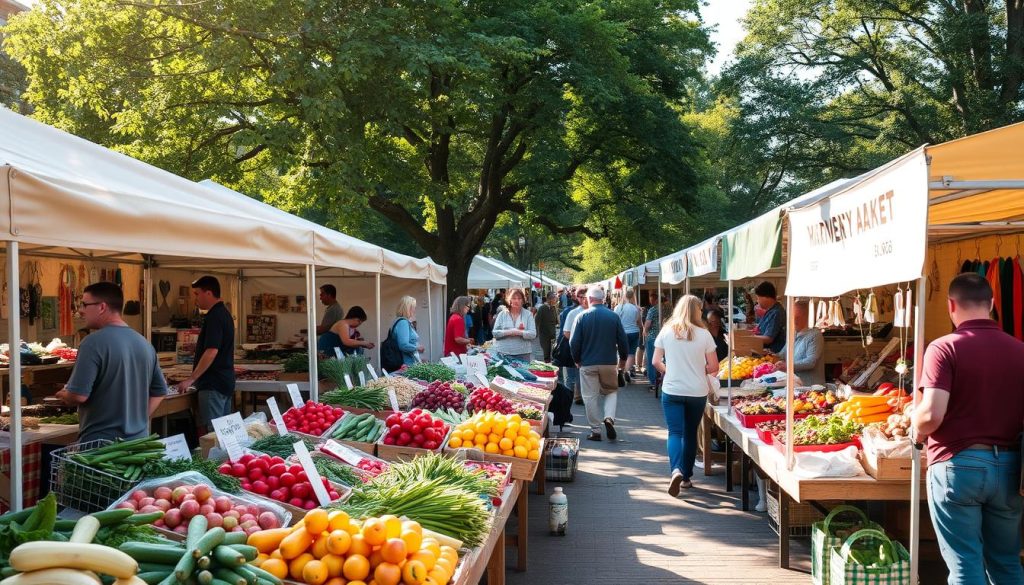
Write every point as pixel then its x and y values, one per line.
pixel 393 419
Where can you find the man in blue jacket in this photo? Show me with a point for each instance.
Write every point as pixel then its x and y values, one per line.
pixel 599 347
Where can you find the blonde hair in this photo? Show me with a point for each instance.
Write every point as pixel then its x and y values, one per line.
pixel 405 308
pixel 686 317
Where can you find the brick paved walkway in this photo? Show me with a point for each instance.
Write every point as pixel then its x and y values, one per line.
pixel 625 528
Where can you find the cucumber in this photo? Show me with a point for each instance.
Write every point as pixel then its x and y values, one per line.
pixel 250 577
pixel 228 556
pixel 154 577
pixel 196 529
pixel 233 538
pixel 185 567
pixel 169 580
pixel 248 552
pixel 64 525
pixel 344 426
pixel 110 517
pixel 204 577
pixel 229 576
pixel 208 542
pixel 139 519
pixel 152 553
pixel 58 537
pixel 262 575
pixel 155 568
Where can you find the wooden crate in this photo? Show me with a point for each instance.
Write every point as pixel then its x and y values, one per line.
pixel 743 342
pixel 397 453
pixel 886 468
pixel 519 468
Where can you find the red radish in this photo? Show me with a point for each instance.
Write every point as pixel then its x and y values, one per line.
pixel 189 497
pixel 148 509
pixel 181 529
pixel 232 514
pixel 147 501
pixel 246 518
pixel 249 524
pixel 205 509
pixel 297 502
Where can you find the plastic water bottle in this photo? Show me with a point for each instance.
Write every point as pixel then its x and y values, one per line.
pixel 558 513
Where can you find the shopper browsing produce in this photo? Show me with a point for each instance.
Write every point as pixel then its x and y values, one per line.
pixel 771 325
pixel 117 382
pixel 515 329
pixel 213 368
pixel 456 340
pixel 350 341
pixel 970 414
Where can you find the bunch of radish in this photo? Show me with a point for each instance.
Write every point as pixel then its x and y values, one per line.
pixel 312 418
pixel 182 503
pixel 272 477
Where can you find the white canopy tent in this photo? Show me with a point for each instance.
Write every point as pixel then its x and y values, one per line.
pixel 487 273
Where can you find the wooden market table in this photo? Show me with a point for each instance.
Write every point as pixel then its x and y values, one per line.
pixel 175 403
pixel 792 488
pixel 489 558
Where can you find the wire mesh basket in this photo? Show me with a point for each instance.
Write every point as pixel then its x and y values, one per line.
pixel 561 458
pixel 81 487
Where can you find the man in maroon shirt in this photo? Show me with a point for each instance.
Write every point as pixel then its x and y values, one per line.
pixel 972 414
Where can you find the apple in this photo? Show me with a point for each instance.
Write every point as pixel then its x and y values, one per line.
pixel 202 492
pixel 229 522
pixel 222 504
pixel 163 493
pixel 178 495
pixel 163 504
pixel 189 508
pixel 268 520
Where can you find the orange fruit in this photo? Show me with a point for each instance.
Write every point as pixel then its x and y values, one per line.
pixel 451 554
pixel 432 545
pixel 445 565
pixel 320 546
pixel 493 438
pixel 276 554
pixel 413 540
pixel 393 551
pixel 393 525
pixel 375 531
pixel 338 542
pixel 432 581
pixel 492 448
pixel 427 557
pixel 455 442
pixel 439 575
pixel 334 564
pixel 414 573
pixel 375 559
pixel 316 521
pixel 275 567
pixel 314 573
pixel 533 455
pixel 352 528
pixel 356 568
pixel 520 451
pixel 297 564
pixel 467 435
pixel 336 581
pixel 359 546
pixel 412 525
pixel 357 582
pixel 337 520
pixel 387 574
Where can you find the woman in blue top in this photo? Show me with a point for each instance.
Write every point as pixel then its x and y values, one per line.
pixel 405 332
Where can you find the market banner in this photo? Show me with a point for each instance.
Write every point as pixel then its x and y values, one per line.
pixel 752 248
pixel 673 269
pixel 703 258
pixel 869 235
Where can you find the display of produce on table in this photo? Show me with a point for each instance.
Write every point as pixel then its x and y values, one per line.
pixel 312 418
pixel 428 372
pixel 271 476
pixel 336 370
pixel 333 547
pixel 822 430
pixel 449 395
pixel 359 428
pixel 867 409
pixel 415 429
pixel 205 467
pixel 35 354
pixel 743 366
pixel 497 434
pixel 124 459
pixel 60 419
pixel 282 446
pixel 365 397
pixel 28 423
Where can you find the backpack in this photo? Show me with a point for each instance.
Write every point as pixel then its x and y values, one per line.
pixel 390 355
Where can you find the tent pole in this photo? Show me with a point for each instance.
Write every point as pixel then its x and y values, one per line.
pixel 14 339
pixel 147 297
pixel 915 462
pixel 790 336
pixel 686 282
pixel 430 322
pixel 314 376
pixel 379 340
pixel 240 311
pixel 732 339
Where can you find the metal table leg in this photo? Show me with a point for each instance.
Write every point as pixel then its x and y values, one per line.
pixel 728 464
pixel 745 482
pixel 784 501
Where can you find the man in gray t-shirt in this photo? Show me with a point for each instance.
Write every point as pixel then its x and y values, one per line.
pixel 332 308
pixel 117 382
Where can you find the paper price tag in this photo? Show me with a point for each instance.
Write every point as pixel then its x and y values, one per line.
pixel 393 398
pixel 275 413
pixel 177 448
pixel 373 372
pixel 348 382
pixel 463 358
pixel 362 379
pixel 513 372
pixel 451 362
pixel 338 354
pixel 476 365
pixel 293 391
pixel 483 380
pixel 385 372
pixel 231 434
pixel 350 456
pixel 314 476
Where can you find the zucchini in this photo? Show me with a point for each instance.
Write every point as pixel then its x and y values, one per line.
pixel 170 580
pixel 229 576
pixel 140 519
pixel 217 581
pixel 20 516
pixel 65 525
pixel 203 562
pixel 249 552
pixel 152 553
pixel 85 529
pixel 155 568
pixel 7 572
pixel 204 578
pixel 262 575
pixel 109 517
pixel 250 577
pixel 58 537
pixel 228 556
pixel 208 542
pixel 234 538
pixel 185 567
pixel 196 529
pixel 154 577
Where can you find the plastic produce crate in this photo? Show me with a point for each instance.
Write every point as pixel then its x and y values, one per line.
pixel 81 487
pixel 561 457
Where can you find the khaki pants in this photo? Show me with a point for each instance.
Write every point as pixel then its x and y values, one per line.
pixel 599 407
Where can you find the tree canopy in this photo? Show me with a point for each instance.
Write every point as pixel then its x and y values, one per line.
pixel 440 116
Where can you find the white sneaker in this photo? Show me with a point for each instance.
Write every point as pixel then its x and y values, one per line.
pixel 675 483
pixel 698 464
pixel 761 506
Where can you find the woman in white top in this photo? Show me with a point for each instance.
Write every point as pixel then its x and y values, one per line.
pixel 629 314
pixel 684 353
pixel 515 329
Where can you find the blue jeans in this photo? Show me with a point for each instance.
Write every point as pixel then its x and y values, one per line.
pixel 976 510
pixel 682 417
pixel 652 374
